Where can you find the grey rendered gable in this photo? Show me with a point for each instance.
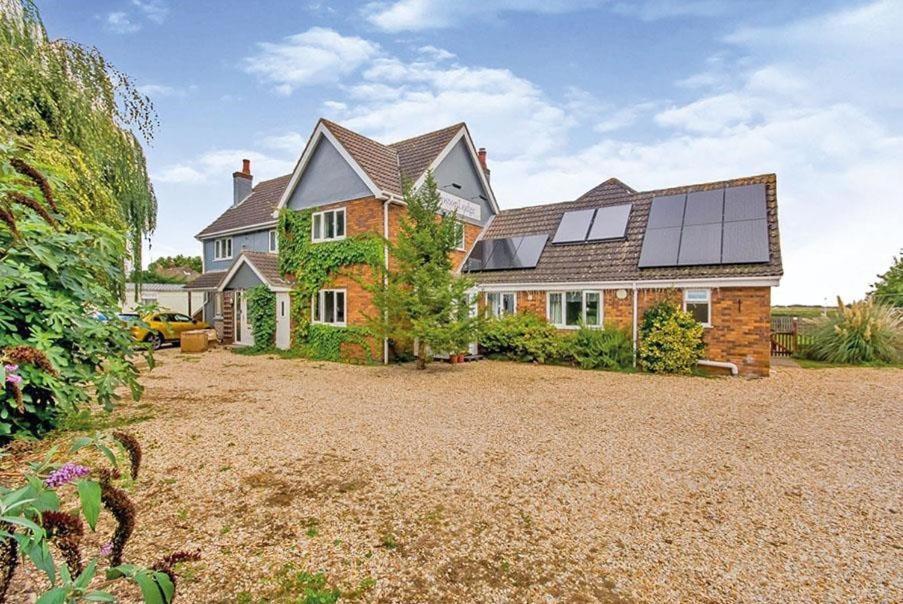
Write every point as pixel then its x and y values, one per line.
pixel 255 241
pixel 458 167
pixel 244 278
pixel 327 178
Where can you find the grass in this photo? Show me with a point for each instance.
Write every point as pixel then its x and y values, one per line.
pixel 808 312
pixel 811 364
pixel 87 421
pixel 290 585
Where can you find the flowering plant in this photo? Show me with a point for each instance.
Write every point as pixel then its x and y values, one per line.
pixel 32 523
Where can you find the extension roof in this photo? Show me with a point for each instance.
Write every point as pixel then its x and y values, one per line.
pixel 618 260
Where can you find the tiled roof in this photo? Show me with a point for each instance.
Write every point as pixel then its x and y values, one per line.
pixel 416 154
pixel 617 260
pixel 268 266
pixel 386 165
pixel 379 161
pixel 209 280
pixel 257 208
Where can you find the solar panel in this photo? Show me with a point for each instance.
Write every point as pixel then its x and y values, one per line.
pixel 704 207
pixel 744 203
pixel 573 226
pixel 745 241
pixel 529 250
pixel 610 222
pixel 700 244
pixel 503 255
pixel 666 212
pixel 478 256
pixel 660 247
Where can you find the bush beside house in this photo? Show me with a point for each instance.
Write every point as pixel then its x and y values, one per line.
pixel 863 332
pixel 670 340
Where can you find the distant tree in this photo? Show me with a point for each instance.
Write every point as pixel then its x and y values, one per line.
pixel 889 287
pixel 423 302
pixel 178 261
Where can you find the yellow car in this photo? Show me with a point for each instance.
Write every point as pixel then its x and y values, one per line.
pixel 165 327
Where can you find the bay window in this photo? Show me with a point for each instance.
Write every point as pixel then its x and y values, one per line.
pixel 570 309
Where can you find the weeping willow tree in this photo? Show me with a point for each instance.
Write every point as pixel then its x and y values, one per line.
pixel 67 111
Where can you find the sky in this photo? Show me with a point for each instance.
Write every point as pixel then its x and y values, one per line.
pixel 563 93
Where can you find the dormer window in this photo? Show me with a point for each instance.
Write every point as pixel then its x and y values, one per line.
pixel 328 225
pixel 222 249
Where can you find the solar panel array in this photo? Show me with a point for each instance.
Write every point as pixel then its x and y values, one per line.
pixel 721 226
pixel 522 251
pixel 593 224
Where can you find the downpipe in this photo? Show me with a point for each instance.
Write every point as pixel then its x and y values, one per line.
pixel 720 365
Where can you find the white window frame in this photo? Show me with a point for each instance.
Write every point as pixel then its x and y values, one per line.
pixel 461 240
pixel 218 305
pixel 563 293
pixel 317 306
pixel 322 215
pixel 495 309
pixel 707 301
pixel 273 244
pixel 219 246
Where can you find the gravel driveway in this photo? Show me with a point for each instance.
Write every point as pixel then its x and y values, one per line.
pixel 500 482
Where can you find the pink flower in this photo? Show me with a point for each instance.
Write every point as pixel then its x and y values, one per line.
pixel 106 549
pixel 11 368
pixel 65 474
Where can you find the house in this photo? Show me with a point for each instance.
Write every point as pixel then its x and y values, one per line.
pixel 355 186
pixel 171 296
pixel 601 259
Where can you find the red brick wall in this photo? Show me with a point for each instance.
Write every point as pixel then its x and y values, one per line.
pixel 741 321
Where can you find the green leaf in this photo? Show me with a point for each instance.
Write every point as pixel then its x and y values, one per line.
pixel 40 555
pixel 89 495
pixel 98 596
pixel 84 579
pixel 150 591
pixel 123 570
pixel 80 443
pixel 34 528
pixel 57 595
pixel 108 454
pixel 166 586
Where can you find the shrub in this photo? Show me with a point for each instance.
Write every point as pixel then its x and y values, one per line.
pixel 262 315
pixel 601 348
pixel 521 337
pixel 671 340
pixel 864 332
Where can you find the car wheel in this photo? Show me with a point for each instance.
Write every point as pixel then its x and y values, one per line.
pixel 156 340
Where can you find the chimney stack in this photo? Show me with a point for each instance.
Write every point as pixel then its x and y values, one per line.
pixel 481 153
pixel 241 182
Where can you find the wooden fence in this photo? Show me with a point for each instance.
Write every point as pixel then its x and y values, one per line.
pixel 789 335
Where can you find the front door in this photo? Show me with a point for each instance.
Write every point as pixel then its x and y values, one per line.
pixel 243 335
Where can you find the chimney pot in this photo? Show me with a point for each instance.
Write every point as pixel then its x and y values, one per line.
pixel 242 182
pixel 481 153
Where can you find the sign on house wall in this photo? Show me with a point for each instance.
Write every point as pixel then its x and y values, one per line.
pixel 464 208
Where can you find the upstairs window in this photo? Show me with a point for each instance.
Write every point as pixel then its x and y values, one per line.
pixel 274 240
pixel 328 225
pixel 568 310
pixel 329 307
pixel 698 302
pixel 222 249
pixel 460 243
pixel 501 303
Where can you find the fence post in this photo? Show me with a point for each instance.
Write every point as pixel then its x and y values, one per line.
pixel 794 329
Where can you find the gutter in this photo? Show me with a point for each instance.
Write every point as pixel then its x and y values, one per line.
pixel 386 274
pixel 635 330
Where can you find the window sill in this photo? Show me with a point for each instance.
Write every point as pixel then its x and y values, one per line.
pixel 329 324
pixel 328 240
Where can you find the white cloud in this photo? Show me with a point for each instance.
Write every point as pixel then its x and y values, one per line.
pixel 437 54
pixel 154 10
pixel 316 56
pixel 419 15
pixel 163 90
pixel 219 164
pixel 119 22
pixel 291 142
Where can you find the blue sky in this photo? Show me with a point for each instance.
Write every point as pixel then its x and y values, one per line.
pixel 564 94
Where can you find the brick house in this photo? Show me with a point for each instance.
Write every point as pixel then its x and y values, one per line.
pixel 601 259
